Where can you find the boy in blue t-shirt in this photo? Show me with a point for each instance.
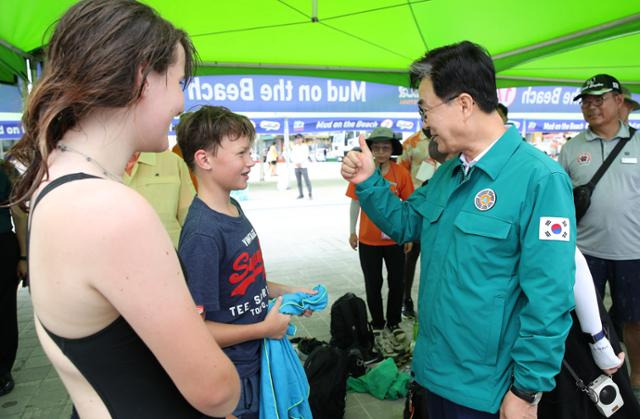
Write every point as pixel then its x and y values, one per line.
pixel 220 250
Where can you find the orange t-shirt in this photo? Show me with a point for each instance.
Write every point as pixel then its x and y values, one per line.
pixel 401 185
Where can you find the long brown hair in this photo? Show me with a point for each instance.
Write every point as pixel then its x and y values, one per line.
pixel 93 57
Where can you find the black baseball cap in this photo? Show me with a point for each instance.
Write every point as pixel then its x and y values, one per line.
pixel 599 85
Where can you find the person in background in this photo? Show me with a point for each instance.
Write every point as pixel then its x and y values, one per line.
pixel 300 160
pixel 13 268
pixel 607 233
pixel 415 158
pixel 374 247
pixel 272 159
pixel 164 180
pixel 111 306
pixel 590 351
pixel 628 105
pixel 503 111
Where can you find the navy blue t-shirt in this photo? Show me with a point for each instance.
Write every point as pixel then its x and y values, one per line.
pixel 225 274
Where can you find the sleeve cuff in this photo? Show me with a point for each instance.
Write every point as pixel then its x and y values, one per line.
pixel 372 180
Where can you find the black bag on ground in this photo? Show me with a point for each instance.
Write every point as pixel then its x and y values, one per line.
pixel 349 324
pixel 582 193
pixel 326 370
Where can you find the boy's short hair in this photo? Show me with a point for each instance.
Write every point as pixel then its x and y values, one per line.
pixel 205 128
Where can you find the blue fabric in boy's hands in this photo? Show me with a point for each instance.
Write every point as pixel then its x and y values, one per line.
pixel 296 303
pixel 284 389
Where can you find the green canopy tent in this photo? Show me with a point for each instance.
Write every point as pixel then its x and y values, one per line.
pixel 543 42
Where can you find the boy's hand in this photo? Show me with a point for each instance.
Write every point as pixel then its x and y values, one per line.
pixel 276 323
pixel 357 166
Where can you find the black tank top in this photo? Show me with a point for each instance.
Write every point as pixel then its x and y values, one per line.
pixel 119 366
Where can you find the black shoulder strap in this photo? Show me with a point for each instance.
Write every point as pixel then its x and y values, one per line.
pixel 610 158
pixel 60 181
pixel 51 186
pixel 579 382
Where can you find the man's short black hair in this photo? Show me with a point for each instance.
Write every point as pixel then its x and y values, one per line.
pixel 459 68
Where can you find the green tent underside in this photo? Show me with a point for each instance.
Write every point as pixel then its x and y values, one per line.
pixel 548 42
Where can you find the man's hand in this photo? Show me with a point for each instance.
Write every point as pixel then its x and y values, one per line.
pixel 353 241
pixel 358 165
pixel 513 407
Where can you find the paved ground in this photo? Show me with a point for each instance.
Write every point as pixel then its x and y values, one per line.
pixel 304 242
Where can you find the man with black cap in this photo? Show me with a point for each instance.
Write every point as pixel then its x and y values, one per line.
pixel 608 233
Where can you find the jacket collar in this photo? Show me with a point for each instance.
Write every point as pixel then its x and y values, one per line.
pixel 495 159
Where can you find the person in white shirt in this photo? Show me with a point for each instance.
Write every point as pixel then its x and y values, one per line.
pixel 300 158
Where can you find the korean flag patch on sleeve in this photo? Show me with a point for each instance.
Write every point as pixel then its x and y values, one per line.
pixel 554 228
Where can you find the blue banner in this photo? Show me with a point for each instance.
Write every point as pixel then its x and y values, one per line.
pixel 548 99
pixel 10 130
pixel 259 93
pixel 262 125
pixel 352 124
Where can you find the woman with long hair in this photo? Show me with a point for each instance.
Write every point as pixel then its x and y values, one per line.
pixel 111 307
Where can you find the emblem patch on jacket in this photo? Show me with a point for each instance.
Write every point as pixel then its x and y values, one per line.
pixel 485 199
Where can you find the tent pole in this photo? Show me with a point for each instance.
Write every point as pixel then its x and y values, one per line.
pixel 617 28
pixel 283 178
pixel 29 75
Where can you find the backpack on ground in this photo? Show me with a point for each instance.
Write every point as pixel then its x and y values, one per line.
pixel 349 324
pixel 326 369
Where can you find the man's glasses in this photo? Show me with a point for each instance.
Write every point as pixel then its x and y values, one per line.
pixel 423 112
pixel 596 101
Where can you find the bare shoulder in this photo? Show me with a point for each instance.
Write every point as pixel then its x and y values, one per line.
pixel 104 213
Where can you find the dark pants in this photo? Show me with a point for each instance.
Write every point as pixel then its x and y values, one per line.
pixel 624 281
pixel 9 256
pixel 371 258
pixel 441 408
pixel 300 172
pixel 410 260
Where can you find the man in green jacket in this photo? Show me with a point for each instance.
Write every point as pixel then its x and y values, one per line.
pixel 496 284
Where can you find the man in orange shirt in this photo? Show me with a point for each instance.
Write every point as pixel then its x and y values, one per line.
pixel 374 246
